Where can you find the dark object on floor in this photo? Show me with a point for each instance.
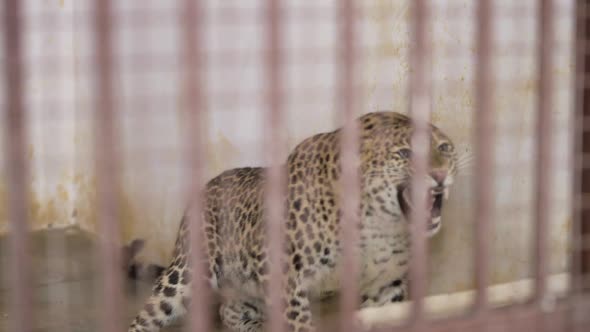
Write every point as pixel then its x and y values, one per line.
pixel 136 270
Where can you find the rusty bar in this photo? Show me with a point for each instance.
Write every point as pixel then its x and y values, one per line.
pixel 350 181
pixel 194 108
pixel 484 143
pixel 584 258
pixel 579 125
pixel 581 226
pixel 544 144
pixel 107 169
pixel 420 103
pixel 276 180
pixel 17 169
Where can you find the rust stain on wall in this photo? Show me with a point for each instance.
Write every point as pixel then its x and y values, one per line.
pixel 85 208
pixel 43 212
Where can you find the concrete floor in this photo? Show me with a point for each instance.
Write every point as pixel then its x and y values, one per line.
pixel 66 281
pixel 65 284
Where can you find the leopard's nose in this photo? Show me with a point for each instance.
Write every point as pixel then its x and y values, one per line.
pixel 439 175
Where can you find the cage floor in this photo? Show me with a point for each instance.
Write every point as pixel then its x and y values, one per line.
pixel 67 281
pixel 66 284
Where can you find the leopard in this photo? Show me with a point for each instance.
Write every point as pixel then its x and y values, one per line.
pixel 234 228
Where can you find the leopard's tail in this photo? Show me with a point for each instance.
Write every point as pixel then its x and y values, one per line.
pixel 169 301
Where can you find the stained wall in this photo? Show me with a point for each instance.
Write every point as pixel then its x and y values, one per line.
pixel 59 95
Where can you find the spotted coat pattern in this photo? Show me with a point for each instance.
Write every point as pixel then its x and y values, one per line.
pixel 234 230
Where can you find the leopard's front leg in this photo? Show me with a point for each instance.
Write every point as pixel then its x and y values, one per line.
pixel 297 312
pixel 395 290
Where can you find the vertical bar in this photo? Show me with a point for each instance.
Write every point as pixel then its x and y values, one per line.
pixel 544 145
pixel 420 142
pixel 484 144
pixel 350 181
pixel 581 227
pixel 195 108
pixel 274 199
pixel 580 184
pixel 577 153
pixel 585 266
pixel 17 169
pixel 107 168
pixel 580 177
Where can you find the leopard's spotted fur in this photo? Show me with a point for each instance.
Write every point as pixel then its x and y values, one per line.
pixel 235 231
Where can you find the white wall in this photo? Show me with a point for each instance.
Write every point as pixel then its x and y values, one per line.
pixel 49 92
pixel 60 110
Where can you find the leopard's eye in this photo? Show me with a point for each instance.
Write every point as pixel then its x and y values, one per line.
pixel 405 153
pixel 445 147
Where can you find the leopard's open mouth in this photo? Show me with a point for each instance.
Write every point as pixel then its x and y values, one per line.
pixel 434 204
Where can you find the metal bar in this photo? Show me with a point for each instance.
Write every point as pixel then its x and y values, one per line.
pixel 107 169
pixel 484 143
pixel 579 124
pixel 350 181
pixel 195 108
pixel 420 102
pixel 17 169
pixel 544 144
pixel 581 220
pixel 583 225
pixel 275 192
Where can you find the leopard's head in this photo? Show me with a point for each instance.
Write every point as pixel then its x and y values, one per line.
pixel 387 169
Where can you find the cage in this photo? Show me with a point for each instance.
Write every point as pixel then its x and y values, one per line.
pixel 117 114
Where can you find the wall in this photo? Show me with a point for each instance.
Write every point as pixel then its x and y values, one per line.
pixel 60 98
pixel 49 91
